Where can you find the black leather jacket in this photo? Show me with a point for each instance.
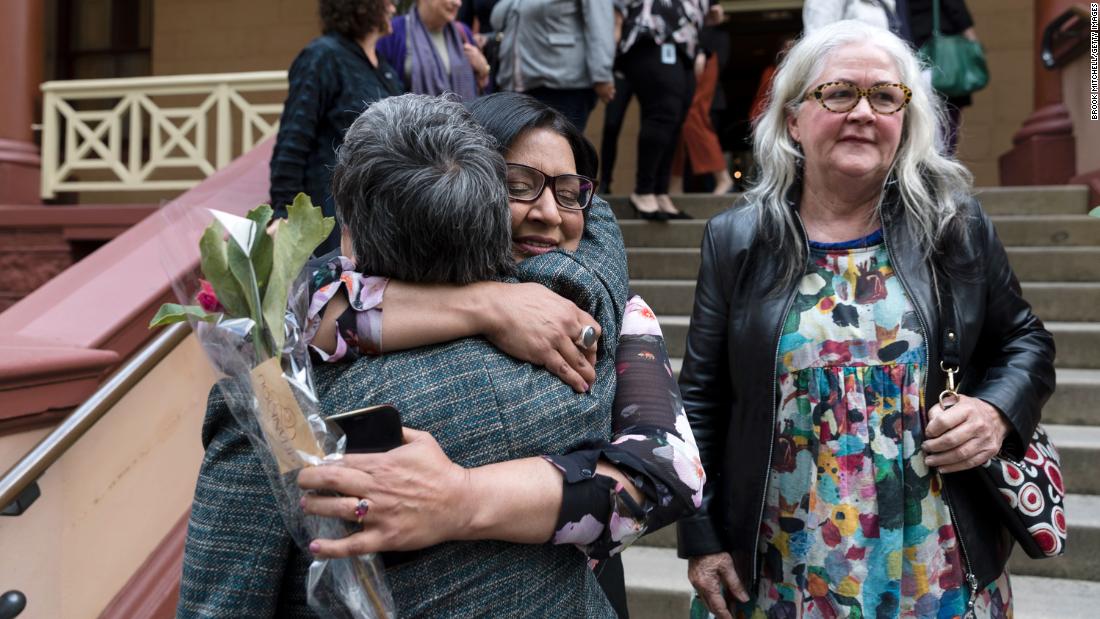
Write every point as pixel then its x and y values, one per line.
pixel 729 384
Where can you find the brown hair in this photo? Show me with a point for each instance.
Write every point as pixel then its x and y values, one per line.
pixel 353 18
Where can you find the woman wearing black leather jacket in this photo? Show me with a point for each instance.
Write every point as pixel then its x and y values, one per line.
pixel 835 486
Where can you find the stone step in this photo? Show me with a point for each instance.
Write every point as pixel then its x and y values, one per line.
pixel 680 233
pixel 1077 343
pixel 1014 230
pixel 666 296
pixel 1081 561
pixel 663 263
pixel 1040 264
pixel 700 206
pixel 1050 264
pixel 1079 447
pixel 1082 558
pixel 1068 301
pixel 1054 200
pixel 1050 230
pixel 1077 505
pixel 658 588
pixel 1051 301
pixel 1074 401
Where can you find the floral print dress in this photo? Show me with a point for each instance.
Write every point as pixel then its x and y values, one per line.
pixel 855 524
pixel 651 440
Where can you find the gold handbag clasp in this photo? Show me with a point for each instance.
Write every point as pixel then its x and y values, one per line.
pixel 949 396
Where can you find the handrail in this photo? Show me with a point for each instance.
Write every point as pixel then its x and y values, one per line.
pixel 1065 38
pixel 92 87
pixel 161 133
pixel 56 443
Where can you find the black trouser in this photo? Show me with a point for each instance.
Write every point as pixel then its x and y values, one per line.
pixel 664 92
pixel 574 103
pixel 613 116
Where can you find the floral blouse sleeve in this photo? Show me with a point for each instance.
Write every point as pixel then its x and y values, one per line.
pixel 359 327
pixel 651 443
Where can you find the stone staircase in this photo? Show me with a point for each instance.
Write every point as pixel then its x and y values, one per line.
pixel 1055 249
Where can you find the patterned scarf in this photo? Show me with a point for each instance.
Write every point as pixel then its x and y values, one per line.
pixel 428 74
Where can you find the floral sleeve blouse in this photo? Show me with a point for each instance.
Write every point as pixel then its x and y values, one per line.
pixel 651 440
pixel 663 21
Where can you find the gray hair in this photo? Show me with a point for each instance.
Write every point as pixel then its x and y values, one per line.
pixel 420 187
pixel 931 186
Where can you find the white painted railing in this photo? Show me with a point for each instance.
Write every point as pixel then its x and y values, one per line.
pixel 164 133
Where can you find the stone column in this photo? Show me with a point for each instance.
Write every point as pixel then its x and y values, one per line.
pixel 21 33
pixel 1043 151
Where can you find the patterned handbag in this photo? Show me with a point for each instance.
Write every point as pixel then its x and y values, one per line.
pixel 1030 493
pixel 1033 506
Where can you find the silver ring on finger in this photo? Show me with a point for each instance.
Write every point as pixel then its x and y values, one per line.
pixel 587 337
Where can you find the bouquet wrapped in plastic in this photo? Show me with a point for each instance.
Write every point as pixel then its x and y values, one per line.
pixel 248 313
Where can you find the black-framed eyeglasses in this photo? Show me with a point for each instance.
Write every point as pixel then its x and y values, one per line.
pixel 843 97
pixel 571 191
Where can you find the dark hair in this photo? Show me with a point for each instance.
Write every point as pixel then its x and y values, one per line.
pixel 354 19
pixel 419 187
pixel 506 115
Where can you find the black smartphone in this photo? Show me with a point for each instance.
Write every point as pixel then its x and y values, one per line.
pixel 373 429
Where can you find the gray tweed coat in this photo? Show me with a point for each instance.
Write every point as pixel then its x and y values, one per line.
pixel 482 406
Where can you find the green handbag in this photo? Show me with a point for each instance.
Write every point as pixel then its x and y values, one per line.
pixel 958 63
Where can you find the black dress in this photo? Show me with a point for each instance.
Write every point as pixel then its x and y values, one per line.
pixel 331 83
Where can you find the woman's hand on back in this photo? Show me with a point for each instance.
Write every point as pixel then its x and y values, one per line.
pixel 709 574
pixel 531 323
pixel 415 496
pixel 963 436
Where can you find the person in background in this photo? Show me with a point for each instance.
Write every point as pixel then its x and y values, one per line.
pixel 613 115
pixel 699 147
pixel 559 53
pixel 334 78
pixel 836 484
pixel 435 53
pixel 614 112
pixel 954 19
pixel 475 14
pixel 656 55
pixel 882 13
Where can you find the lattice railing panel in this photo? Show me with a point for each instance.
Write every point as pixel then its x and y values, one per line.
pixel 153 133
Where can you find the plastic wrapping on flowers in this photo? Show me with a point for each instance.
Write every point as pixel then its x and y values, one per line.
pixel 247 313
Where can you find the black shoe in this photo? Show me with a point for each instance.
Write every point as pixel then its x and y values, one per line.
pixel 679 215
pixel 647 215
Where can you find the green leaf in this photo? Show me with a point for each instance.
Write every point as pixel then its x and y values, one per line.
pixel 262 245
pixel 1095 212
pixel 240 265
pixel 296 239
pixel 170 313
pixel 215 268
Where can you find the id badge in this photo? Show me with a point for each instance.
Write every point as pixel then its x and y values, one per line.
pixel 668 53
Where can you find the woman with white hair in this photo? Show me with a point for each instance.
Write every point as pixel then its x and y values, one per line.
pixel 817 348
